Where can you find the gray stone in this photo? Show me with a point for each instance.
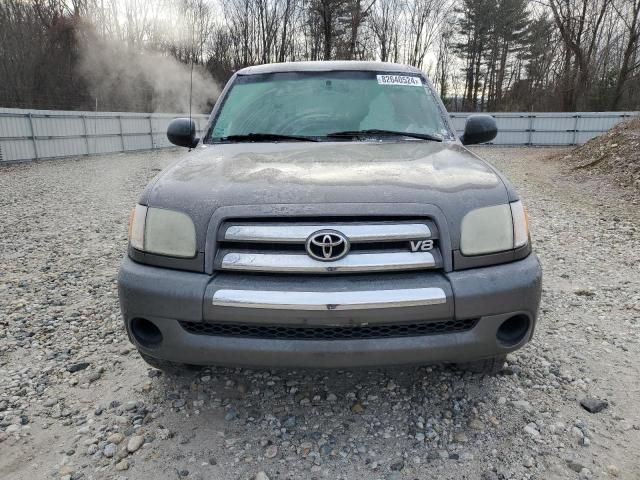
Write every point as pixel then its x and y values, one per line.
pixel 489 475
pixel 575 465
pixel 532 430
pixel 593 405
pixel 231 414
pixel 585 474
pixel 461 437
pixel 433 455
pixel 110 450
pixel 76 367
pixel 613 470
pixel 522 405
pixel 135 443
pixel 271 451
pixel 115 438
pixel 476 424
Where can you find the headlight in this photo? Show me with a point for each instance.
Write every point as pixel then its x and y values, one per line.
pixel 494 229
pixel 163 232
pixel 520 224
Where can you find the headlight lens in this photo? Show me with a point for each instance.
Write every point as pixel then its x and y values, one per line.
pixel 494 229
pixel 163 232
pixel 136 226
pixel 520 224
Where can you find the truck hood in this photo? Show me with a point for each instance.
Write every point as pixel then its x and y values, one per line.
pixel 442 174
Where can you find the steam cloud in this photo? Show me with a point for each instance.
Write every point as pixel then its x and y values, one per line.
pixel 119 75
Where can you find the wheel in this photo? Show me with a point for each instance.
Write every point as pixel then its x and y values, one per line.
pixel 170 368
pixel 487 366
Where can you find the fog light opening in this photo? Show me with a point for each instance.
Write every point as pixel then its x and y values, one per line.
pixel 145 332
pixel 513 330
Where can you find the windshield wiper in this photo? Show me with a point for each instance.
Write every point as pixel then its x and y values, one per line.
pixel 375 131
pixel 266 137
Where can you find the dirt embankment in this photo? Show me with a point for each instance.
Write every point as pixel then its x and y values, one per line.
pixel 614 156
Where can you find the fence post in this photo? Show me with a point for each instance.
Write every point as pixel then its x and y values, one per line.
pixel 33 136
pixel 575 129
pixel 151 132
pixel 86 132
pixel 531 120
pixel 121 132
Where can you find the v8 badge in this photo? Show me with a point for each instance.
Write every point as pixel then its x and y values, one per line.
pixel 421 245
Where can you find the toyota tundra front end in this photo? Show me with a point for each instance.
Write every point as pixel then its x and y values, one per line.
pixel 329 217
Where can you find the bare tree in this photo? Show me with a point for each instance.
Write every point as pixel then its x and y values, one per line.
pixel 384 22
pixel 579 23
pixel 629 13
pixel 481 54
pixel 444 59
pixel 422 23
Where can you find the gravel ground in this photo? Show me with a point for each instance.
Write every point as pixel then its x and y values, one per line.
pixel 76 401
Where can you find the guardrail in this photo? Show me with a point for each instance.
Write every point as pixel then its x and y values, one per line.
pixel 40 134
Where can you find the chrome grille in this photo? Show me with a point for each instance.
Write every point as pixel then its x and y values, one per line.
pixel 377 245
pixel 292 233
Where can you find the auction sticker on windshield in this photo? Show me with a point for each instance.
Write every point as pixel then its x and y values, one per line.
pixel 399 80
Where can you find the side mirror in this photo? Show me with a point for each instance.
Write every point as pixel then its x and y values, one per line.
pixel 182 132
pixel 479 128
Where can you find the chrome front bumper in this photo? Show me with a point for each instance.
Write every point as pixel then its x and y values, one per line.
pixel 322 301
pixel 335 300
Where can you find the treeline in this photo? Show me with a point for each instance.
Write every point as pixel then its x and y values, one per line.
pixel 485 55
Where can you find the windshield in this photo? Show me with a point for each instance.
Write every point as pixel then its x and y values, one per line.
pixel 316 104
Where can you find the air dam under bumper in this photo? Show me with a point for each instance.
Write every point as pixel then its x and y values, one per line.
pixel 491 295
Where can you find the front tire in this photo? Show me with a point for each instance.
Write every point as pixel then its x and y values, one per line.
pixel 487 366
pixel 170 368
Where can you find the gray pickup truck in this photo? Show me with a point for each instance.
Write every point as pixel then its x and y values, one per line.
pixel 329 217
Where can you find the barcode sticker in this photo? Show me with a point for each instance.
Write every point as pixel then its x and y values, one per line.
pixel 399 80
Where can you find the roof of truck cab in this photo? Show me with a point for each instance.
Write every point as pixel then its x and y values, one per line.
pixel 323 66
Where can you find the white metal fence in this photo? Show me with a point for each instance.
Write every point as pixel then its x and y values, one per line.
pixel 548 128
pixel 40 134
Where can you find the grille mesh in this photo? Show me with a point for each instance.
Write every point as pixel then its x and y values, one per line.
pixel 327 333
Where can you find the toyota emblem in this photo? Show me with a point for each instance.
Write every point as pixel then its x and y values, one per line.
pixel 327 245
